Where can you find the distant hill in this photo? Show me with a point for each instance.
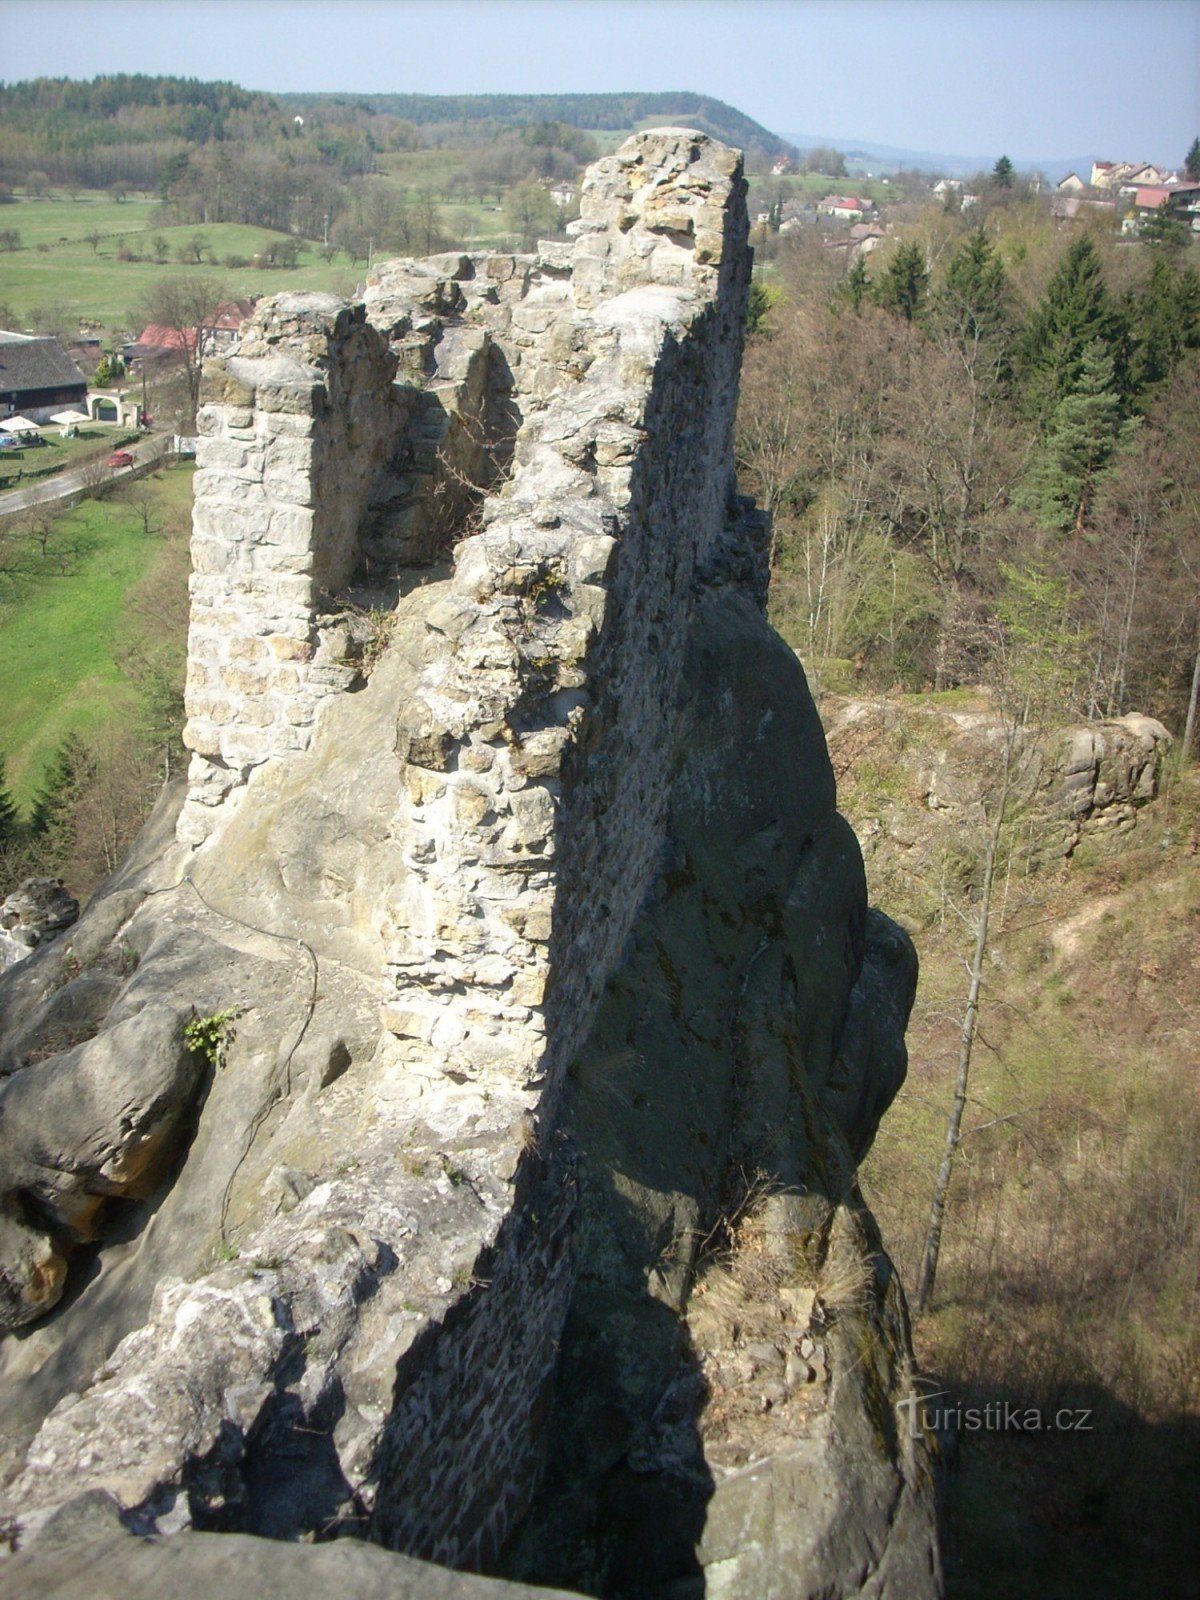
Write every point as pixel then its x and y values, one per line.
pixel 591 111
pixel 861 153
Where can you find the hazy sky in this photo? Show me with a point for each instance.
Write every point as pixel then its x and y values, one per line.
pixel 1034 78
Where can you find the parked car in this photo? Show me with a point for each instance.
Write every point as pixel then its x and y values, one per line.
pixel 120 458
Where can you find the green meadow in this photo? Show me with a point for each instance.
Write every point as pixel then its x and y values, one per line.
pixel 65 619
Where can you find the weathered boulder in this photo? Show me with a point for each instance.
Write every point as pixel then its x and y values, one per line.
pixel 97 1122
pixel 85 1554
pixel 38 910
pixel 742 1055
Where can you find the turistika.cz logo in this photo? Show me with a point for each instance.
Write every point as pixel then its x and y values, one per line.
pixel 925 1415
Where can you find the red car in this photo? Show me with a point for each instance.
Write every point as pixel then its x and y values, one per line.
pixel 120 458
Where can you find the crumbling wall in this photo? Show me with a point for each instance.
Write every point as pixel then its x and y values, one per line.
pixel 294 430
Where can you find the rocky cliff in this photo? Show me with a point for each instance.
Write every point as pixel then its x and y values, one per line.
pixel 442 1132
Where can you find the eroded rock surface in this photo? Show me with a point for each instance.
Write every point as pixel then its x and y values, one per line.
pixel 500 987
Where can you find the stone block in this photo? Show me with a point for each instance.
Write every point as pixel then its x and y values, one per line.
pixel 219 387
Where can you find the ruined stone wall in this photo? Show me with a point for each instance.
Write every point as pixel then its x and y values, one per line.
pixel 604 374
pixel 534 744
pixel 463 1449
pixel 294 430
pixel 537 770
pixel 345 1311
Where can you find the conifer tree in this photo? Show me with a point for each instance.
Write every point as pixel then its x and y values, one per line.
pixel 1085 433
pixel 1075 311
pixel 855 287
pixel 8 812
pixel 1002 173
pixel 53 822
pixel 1166 320
pixel 1191 162
pixel 904 283
pixel 1165 229
pixel 972 304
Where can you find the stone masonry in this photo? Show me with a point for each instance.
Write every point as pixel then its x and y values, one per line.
pixel 531 814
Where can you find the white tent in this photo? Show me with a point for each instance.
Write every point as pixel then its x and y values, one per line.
pixel 68 421
pixel 19 425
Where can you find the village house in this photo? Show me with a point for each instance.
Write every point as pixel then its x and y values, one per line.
pixel 157 343
pixel 1182 201
pixel 1071 184
pixel 37 377
pixel 1108 174
pixel 1070 207
pixel 1145 173
pixel 846 207
pixel 862 240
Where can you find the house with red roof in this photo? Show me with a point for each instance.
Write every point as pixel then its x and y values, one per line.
pixel 847 207
pixel 157 343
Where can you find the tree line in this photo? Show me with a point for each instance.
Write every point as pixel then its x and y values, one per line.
pixel 973 405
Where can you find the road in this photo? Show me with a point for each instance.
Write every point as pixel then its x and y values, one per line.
pixel 145 453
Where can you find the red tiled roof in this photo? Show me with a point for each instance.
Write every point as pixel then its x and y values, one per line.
pixel 155 337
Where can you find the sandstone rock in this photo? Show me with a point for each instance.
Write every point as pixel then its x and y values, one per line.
pixel 38 910
pixel 99 1120
pixel 85 1554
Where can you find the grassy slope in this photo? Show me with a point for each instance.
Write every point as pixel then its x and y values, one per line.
pixel 97 287
pixel 64 626
pixel 1069 1271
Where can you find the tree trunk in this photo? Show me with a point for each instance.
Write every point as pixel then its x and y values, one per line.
pixel 1189 732
pixel 941 1189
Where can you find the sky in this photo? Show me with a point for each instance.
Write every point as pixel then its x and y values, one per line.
pixel 1034 79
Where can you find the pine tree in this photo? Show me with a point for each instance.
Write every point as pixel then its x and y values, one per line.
pixel 904 283
pixel 855 287
pixel 1002 173
pixel 1085 433
pixel 8 812
pixel 1165 229
pixel 972 304
pixel 53 822
pixel 1075 311
pixel 1166 320
pixel 1191 162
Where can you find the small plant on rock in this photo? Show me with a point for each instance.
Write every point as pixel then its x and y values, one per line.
pixel 210 1037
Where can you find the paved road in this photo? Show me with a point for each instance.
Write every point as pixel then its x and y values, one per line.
pixel 145 452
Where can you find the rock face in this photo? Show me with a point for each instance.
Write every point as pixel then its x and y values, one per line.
pixel 497 1001
pixel 942 765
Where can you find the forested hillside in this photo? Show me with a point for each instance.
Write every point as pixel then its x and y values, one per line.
pixel 460 117
pixel 981 449
pixel 986 419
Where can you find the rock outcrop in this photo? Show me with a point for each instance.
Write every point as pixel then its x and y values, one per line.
pixel 452 1108
pixel 37 910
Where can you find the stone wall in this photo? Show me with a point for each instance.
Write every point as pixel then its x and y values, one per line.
pixel 294 430
pixel 603 374
pixel 536 749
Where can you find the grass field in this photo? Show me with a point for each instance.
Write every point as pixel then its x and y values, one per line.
pixel 55 455
pixel 56 266
pixel 65 626
pixel 95 286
